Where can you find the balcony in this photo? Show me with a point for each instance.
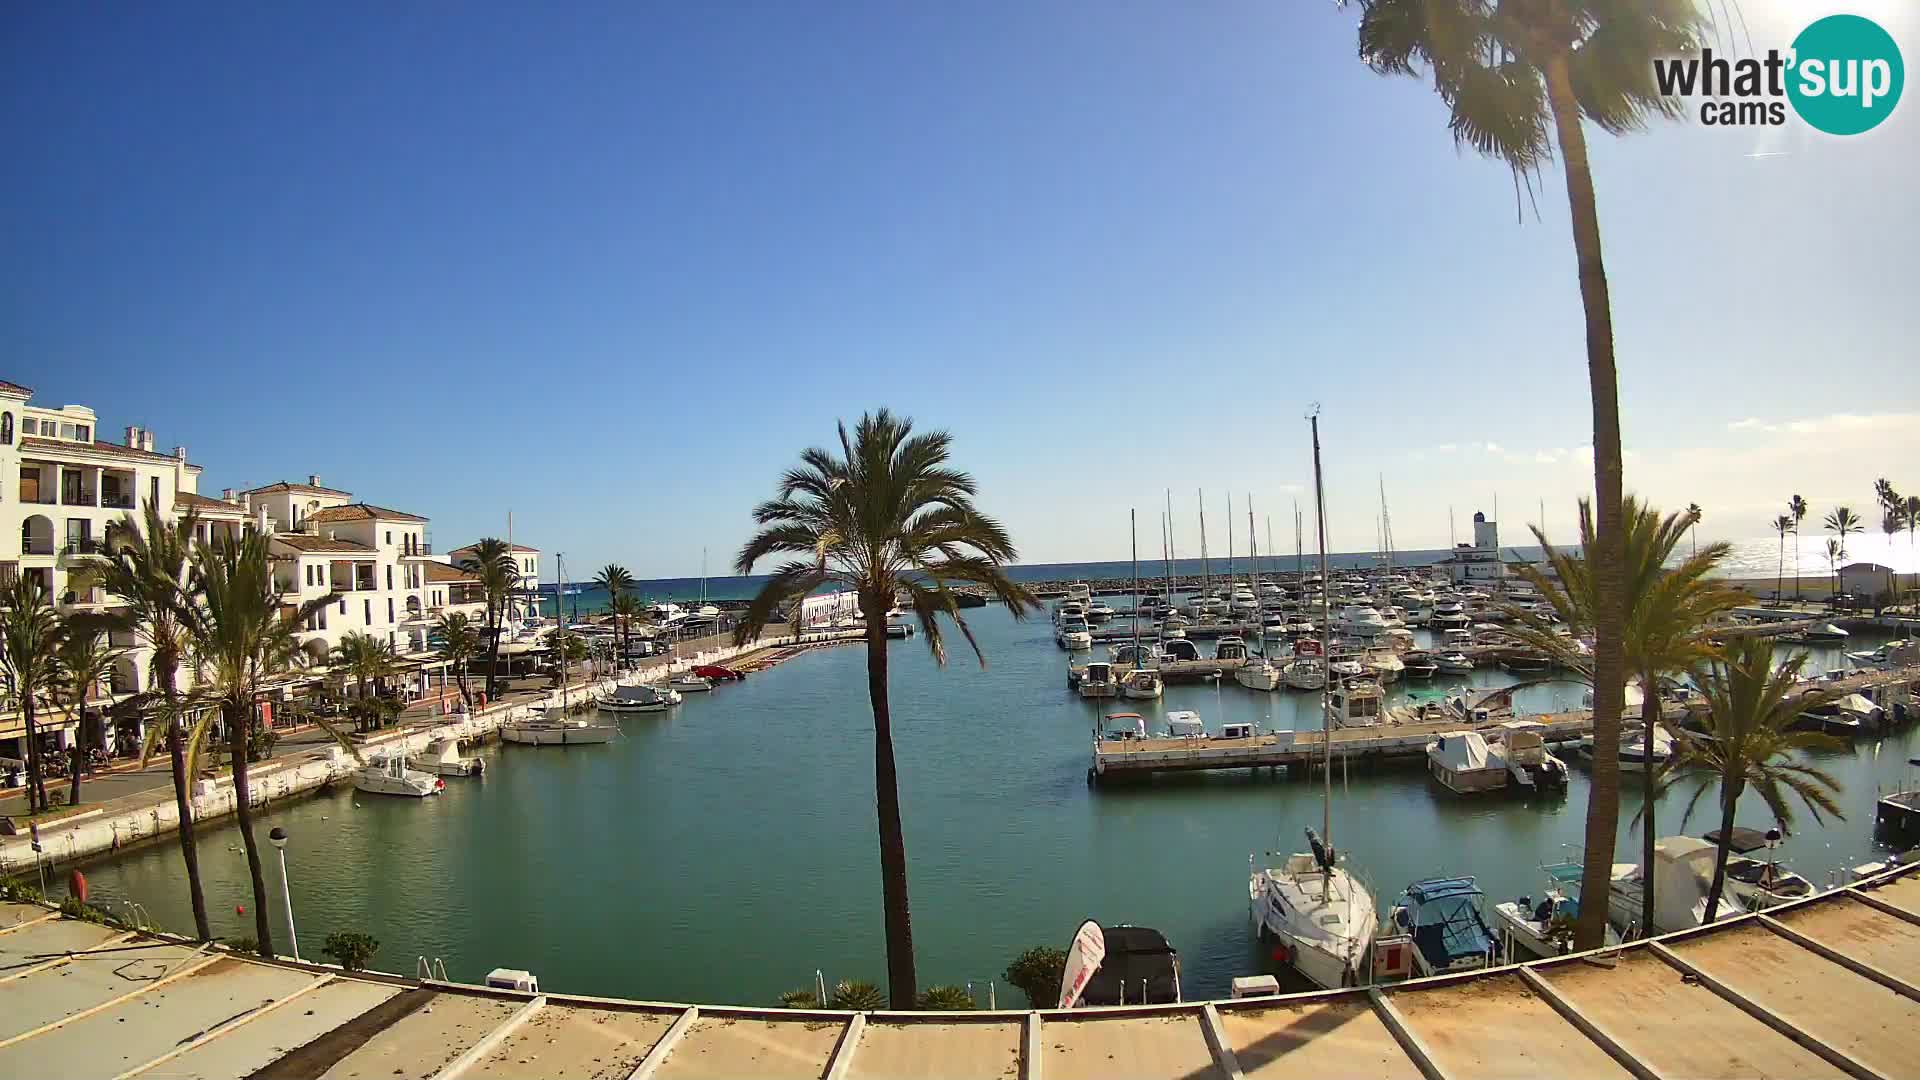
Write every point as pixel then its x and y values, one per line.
pixel 117 500
pixel 78 496
pixel 36 497
pixel 84 545
pixel 37 545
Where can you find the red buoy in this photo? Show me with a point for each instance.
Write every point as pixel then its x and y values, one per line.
pixel 77 885
pixel 1280 954
pixel 239 909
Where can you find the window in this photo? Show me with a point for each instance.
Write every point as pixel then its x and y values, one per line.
pixel 366 610
pixel 343 605
pixel 6 429
pixel 389 536
pixel 83 433
pixel 153 491
pixel 389 578
pixel 66 431
pixel 389 609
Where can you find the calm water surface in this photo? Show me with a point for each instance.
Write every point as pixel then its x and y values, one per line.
pixel 722 852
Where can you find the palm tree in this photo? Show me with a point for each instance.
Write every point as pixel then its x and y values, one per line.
pixel 147 572
pixel 491 561
pixel 30 635
pixel 364 657
pixel 458 644
pixel 1752 707
pixel 1797 506
pixel 84 660
pixel 240 639
pixel 1668 614
pixel 1693 525
pixel 1910 510
pixel 1782 524
pixel 1507 69
pixel 885 517
pixel 626 610
pixel 615 579
pixel 1842 523
pixel 1884 495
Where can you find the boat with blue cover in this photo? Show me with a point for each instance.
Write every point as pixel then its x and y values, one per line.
pixel 1442 916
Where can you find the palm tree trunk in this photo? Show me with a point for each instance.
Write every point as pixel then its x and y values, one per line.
pixel 493 655
pixel 76 758
pixel 183 805
pixel 36 782
pixel 1649 719
pixel 237 731
pixel 1609 570
pixel 1728 802
pixel 1780 569
pixel 901 990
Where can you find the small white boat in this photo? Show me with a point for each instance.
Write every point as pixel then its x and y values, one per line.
pixel 390 776
pixel 1683 875
pixel 1825 632
pixel 1305 673
pixel 636 698
pixel 554 729
pixel 1074 635
pixel 443 758
pixel 1522 748
pixel 1449 933
pixel 1529 929
pixel 1142 684
pixel 1360 620
pixel 1098 681
pixel 1385 665
pixel 1099 612
pixel 1758 885
pixel 1463 764
pixel 1258 673
pixel 688 683
pixel 1633 757
pixel 1453 663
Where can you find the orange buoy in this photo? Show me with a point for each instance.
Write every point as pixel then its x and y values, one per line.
pixel 77 885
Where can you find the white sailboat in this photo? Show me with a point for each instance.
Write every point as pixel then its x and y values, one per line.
pixel 1142 683
pixel 706 610
pixel 1318 915
pixel 1258 672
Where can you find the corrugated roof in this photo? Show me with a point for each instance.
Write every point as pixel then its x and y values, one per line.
pixel 361 512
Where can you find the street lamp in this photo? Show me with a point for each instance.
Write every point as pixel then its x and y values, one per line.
pixel 279 838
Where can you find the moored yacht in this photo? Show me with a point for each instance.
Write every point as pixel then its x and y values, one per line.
pixel 1360 620
pixel 1529 929
pixel 1443 917
pixel 1305 672
pixel 1141 684
pixel 442 758
pixel 556 729
pixel 638 697
pixel 390 776
pixel 1318 916
pixel 1099 681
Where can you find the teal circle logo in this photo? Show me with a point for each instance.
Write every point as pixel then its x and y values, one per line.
pixel 1846 75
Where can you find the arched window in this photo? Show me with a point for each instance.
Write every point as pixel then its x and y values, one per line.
pixel 6 429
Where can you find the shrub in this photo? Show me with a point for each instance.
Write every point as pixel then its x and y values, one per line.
pixel 945 999
pixel 1038 972
pixel 350 949
pixel 857 996
pixel 799 999
pixel 246 943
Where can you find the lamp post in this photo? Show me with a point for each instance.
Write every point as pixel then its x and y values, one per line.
pixel 279 838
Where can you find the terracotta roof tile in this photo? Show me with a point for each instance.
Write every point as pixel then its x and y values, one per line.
pixel 183 500
pixel 36 442
pixel 304 542
pixel 439 571
pixel 15 388
pixel 361 512
pixel 284 486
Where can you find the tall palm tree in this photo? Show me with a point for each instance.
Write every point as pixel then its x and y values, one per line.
pixel 1842 523
pixel 30 635
pixel 364 657
pixel 491 561
pixel 615 579
pixel 886 516
pixel 458 644
pixel 1509 71
pixel 626 610
pixel 1885 496
pixel 147 571
pixel 1752 708
pixel 1797 506
pixel 1910 510
pixel 84 660
pixel 241 638
pixel 1669 612
pixel 1693 525
pixel 1783 524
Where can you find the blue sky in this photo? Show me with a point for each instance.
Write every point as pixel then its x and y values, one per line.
pixel 610 267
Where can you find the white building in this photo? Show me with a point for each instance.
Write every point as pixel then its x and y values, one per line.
pixel 1478 563
pixel 451 591
pixel 526 600
pixel 63 493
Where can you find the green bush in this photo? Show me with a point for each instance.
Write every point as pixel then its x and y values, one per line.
pixel 799 999
pixel 945 999
pixel 1038 972
pixel 858 996
pixel 350 949
pixel 246 943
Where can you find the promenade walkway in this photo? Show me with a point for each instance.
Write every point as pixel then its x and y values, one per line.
pixel 1826 987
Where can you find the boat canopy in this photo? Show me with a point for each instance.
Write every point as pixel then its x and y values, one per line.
pixel 1443 915
pixel 1742 841
pixel 1181 722
pixel 1462 751
pixel 1136 955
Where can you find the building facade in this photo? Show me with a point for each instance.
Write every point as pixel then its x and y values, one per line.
pixel 1478 563
pixel 525 601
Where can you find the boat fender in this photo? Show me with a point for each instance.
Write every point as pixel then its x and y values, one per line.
pixel 1280 954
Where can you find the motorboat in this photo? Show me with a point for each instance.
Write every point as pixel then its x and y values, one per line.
pixel 1354 703
pixel 1185 724
pixel 1346 667
pixel 1530 929
pixel 1420 665
pixel 1174 626
pixel 1825 632
pixel 1385 665
pixel 1098 612
pixel 1243 602
pixel 1274 622
pixel 1464 764
pixel 687 682
pixel 667 614
pixel 1178 649
pixel 1526 663
pixel 556 729
pixel 1141 684
pixel 1123 727
pixel 1258 673
pixel 1449 615
pixel 1305 672
pixel 1074 635
pixel 718 673
pixel 1230 647
pixel 1682 875
pixel 1070 610
pixel 1754 883
pixel 442 758
pixel 1360 620
pixel 1268 590
pixel 1078 592
pixel 1134 654
pixel 1138 967
pixel 636 698
pixel 1521 747
pixel 1633 754
pixel 1444 918
pixel 1848 715
pixel 1318 917
pixel 390 776
pixel 1453 663
pixel 1097 680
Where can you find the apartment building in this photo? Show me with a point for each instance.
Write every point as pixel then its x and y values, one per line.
pixel 525 600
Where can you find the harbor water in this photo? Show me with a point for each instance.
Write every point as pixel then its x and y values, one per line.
pixel 726 850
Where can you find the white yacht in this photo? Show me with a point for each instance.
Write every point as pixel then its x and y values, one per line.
pixel 1185 724
pixel 1098 680
pixel 443 758
pixel 667 614
pixel 1385 665
pixel 1633 757
pixel 1230 647
pixel 1243 602
pixel 637 697
pixel 1453 663
pixel 556 729
pixel 1174 626
pixel 1142 684
pixel 1683 875
pixel 1258 673
pixel 1360 620
pixel 1305 672
pixel 1099 612
pixel 1320 916
pixel 390 776
pixel 1353 703
pixel 688 683
pixel 1268 590
pixel 1074 635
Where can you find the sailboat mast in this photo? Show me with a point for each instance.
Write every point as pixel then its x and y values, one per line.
pixel 1326 644
pixel 1172 555
pixel 1386 523
pixel 1229 546
pixel 1206 570
pixel 1253 553
pixel 560 635
pixel 1133 532
pixel 1299 553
